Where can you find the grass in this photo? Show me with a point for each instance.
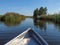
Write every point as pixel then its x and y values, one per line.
pixel 0 17
pixel 12 18
pixel 54 17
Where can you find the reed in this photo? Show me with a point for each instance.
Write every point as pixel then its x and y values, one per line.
pixel 53 17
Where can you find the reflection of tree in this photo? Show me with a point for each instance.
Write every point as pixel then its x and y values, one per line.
pixel 57 25
pixel 40 24
pixel 13 23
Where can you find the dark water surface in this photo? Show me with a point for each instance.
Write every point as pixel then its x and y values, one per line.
pixel 50 31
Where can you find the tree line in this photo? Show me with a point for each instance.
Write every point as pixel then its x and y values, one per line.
pixel 39 12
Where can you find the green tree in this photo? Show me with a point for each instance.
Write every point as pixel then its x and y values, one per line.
pixel 43 11
pixel 36 12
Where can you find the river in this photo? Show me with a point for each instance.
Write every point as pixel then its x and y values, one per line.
pixel 50 31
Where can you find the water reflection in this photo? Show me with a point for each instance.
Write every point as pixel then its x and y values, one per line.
pixel 47 29
pixel 40 24
pixel 13 23
pixel 57 25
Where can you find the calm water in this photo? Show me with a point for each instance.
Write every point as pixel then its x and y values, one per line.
pixel 48 30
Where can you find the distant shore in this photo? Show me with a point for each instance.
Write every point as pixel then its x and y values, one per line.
pixel 54 17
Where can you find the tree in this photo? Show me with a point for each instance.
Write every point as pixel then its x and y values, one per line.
pixel 36 12
pixel 43 11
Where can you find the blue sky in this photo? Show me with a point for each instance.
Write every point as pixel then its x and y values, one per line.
pixel 27 7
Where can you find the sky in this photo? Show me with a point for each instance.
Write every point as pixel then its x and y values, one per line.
pixel 27 7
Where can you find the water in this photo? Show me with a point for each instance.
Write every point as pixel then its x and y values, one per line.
pixel 50 31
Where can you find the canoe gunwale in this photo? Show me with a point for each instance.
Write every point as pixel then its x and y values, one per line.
pixel 32 33
pixel 19 36
pixel 38 37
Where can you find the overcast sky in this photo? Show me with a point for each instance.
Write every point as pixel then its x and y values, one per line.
pixel 27 7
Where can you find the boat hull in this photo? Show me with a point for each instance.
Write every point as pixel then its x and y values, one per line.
pixel 28 37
